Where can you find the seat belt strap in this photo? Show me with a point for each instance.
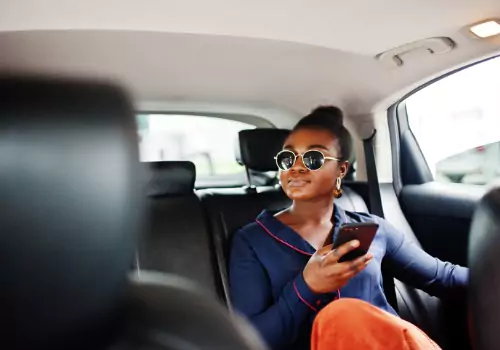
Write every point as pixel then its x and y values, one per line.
pixel 371 172
pixel 376 208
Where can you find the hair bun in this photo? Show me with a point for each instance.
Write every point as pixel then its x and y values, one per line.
pixel 330 114
pixel 331 119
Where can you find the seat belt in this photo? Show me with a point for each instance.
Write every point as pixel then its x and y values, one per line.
pixel 376 208
pixel 371 172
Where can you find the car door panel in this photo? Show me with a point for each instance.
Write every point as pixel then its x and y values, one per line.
pixel 440 215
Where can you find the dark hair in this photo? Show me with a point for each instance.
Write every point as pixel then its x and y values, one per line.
pixel 329 118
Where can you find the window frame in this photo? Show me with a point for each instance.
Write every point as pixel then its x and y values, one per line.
pixel 404 141
pixel 251 119
pixel 256 121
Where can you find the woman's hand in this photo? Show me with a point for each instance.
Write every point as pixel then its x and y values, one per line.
pixel 323 273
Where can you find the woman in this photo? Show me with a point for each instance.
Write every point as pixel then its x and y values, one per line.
pixel 283 270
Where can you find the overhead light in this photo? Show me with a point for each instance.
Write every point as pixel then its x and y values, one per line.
pixel 486 29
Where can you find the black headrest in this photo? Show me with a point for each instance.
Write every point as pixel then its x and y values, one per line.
pixel 72 205
pixel 169 312
pixel 171 178
pixel 259 146
pixel 484 289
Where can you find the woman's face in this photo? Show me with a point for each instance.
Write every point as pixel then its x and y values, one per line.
pixel 300 183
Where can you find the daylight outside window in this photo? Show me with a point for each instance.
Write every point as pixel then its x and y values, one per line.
pixel 208 142
pixel 456 122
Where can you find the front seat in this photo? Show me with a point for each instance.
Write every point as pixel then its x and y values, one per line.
pixel 484 264
pixel 72 206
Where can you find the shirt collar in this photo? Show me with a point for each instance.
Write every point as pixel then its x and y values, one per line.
pixel 287 236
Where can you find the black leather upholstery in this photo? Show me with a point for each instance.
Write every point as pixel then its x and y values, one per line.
pixel 171 178
pixel 484 290
pixel 177 240
pixel 440 319
pixel 259 146
pixel 169 312
pixel 71 208
pixel 413 305
pixel 72 205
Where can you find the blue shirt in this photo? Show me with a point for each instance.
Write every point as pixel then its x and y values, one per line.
pixel 265 271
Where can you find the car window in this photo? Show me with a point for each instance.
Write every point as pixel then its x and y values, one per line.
pixel 208 142
pixel 456 122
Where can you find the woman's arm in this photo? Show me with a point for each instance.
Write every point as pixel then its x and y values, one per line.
pixel 280 321
pixel 415 267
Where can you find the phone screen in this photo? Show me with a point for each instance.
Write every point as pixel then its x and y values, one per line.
pixel 363 232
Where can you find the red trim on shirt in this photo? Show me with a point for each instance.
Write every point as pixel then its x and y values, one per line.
pixel 300 251
pixel 288 244
pixel 282 241
pixel 302 299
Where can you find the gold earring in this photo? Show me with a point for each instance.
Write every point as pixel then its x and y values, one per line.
pixel 337 192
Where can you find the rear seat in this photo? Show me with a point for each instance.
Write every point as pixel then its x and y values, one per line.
pixel 230 209
pixel 192 238
pixel 178 239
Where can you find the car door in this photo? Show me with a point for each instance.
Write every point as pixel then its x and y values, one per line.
pixel 445 156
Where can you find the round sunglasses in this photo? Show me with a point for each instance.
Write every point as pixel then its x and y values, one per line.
pixel 312 159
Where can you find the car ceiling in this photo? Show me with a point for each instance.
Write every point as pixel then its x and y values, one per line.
pixel 288 54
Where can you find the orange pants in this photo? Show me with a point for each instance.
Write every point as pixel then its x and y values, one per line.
pixel 354 324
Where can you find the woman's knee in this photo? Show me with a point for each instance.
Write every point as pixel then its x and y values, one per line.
pixel 348 313
pixel 346 306
pixel 358 324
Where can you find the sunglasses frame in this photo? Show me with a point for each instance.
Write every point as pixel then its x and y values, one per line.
pixel 302 155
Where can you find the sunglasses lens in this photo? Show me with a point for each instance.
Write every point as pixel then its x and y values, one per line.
pixel 313 160
pixel 285 160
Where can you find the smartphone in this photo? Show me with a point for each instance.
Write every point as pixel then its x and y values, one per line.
pixel 364 232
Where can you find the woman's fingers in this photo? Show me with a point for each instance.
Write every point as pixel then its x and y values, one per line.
pixel 350 269
pixel 325 250
pixel 359 263
pixel 336 254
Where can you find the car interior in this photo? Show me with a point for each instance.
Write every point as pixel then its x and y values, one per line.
pixel 137 138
